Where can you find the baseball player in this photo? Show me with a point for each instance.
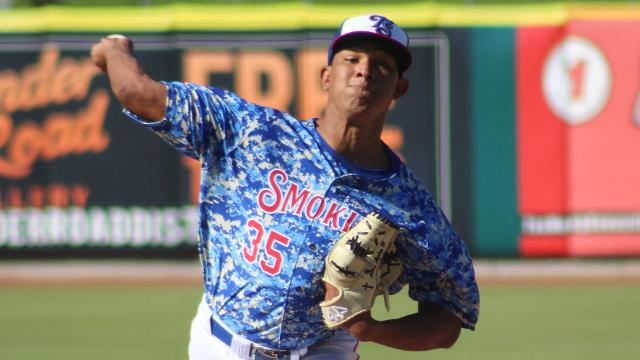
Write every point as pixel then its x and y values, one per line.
pixel 303 223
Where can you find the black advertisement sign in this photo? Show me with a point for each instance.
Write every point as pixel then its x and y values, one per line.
pixel 78 178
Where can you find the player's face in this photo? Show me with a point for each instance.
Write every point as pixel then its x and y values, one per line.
pixel 363 78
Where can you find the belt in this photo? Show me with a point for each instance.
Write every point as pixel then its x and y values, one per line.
pixel 257 352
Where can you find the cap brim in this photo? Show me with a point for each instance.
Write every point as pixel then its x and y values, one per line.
pixel 399 51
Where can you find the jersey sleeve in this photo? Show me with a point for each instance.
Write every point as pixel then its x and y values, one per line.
pixel 200 119
pixel 440 268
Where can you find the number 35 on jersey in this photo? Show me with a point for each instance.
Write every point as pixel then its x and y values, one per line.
pixel 265 248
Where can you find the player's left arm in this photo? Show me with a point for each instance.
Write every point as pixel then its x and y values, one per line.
pixel 432 327
pixel 441 279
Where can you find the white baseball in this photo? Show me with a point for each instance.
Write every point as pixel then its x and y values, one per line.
pixel 116 36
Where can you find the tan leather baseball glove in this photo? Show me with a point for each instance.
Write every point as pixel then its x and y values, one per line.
pixel 361 265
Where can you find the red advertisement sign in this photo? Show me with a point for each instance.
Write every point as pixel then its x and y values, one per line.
pixel 578 138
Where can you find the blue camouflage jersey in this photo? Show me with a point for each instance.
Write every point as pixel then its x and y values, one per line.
pixel 274 198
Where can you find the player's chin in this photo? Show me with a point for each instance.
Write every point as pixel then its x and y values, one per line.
pixel 361 104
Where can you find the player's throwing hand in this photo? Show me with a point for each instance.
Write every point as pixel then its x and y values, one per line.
pixel 100 50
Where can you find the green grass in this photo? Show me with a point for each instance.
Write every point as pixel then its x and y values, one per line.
pixel 566 323
pixel 67 323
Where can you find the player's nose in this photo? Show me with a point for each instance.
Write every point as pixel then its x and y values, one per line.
pixel 364 69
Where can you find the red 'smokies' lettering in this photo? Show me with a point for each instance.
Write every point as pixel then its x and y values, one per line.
pixel 285 196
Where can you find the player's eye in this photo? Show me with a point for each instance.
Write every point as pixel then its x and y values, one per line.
pixel 383 66
pixel 351 59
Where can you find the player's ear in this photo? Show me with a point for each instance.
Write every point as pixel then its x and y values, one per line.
pixel 402 86
pixel 325 74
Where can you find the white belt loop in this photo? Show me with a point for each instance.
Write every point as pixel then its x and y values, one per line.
pixel 241 346
pixel 298 354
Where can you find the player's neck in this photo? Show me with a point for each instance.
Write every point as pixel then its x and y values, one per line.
pixel 357 139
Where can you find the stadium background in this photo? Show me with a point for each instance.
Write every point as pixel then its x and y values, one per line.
pixel 522 118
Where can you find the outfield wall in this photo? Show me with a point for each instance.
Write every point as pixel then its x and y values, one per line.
pixel 521 119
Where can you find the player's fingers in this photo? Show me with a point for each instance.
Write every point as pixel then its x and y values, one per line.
pixel 330 291
pixel 97 56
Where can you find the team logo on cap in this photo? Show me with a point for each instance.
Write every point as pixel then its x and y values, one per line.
pixel 382 25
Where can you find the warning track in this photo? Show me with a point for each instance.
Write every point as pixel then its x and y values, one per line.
pixel 145 272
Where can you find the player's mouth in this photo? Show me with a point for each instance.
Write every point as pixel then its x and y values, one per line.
pixel 362 88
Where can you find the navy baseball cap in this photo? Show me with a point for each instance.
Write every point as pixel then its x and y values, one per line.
pixel 377 28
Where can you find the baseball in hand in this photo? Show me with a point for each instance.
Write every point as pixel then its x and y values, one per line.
pixel 120 39
pixel 116 36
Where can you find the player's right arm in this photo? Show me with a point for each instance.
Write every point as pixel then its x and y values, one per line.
pixel 199 121
pixel 135 90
